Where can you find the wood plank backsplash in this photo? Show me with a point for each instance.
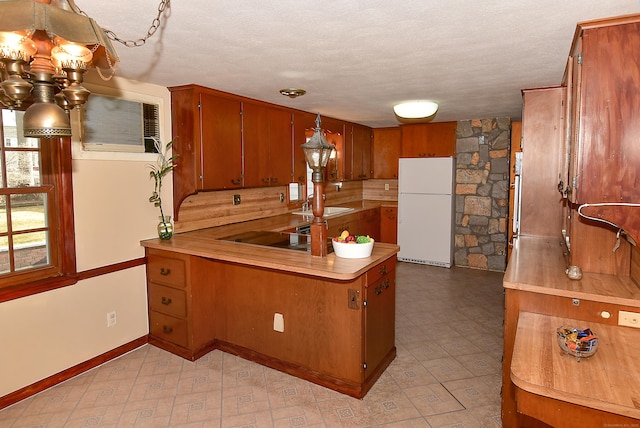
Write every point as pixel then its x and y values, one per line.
pixel 216 208
pixel 210 209
pixel 376 190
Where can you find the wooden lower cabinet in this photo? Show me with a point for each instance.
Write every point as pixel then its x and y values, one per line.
pixel 180 302
pixel 350 222
pixel 389 224
pixel 539 298
pixel 369 224
pixel 338 334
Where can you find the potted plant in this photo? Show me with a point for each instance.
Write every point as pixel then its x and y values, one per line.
pixel 161 168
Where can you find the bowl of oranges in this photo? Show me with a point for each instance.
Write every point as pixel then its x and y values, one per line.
pixel 350 246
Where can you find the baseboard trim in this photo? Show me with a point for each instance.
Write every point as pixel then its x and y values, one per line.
pixel 67 374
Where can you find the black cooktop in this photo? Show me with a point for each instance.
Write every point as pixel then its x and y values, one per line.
pixel 289 241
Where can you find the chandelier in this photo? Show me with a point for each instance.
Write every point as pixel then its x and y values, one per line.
pixel 45 48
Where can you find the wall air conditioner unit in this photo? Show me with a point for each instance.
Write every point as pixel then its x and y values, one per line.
pixel 117 125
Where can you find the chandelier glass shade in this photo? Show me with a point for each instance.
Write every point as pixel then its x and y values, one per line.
pixel 45 48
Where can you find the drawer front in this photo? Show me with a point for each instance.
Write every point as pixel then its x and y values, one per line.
pixel 167 300
pixel 168 328
pixel 389 213
pixel 166 270
pixel 380 271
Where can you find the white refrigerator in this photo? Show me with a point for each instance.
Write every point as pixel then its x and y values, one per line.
pixel 426 210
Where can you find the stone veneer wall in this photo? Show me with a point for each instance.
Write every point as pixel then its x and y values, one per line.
pixel 482 193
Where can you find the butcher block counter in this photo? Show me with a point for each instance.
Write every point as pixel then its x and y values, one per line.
pixel 208 243
pixel 543 386
pixel 328 320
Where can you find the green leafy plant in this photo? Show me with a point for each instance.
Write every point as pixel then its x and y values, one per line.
pixel 159 170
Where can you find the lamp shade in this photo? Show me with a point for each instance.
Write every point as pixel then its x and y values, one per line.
pixel 59 19
pixel 415 111
pixel 317 151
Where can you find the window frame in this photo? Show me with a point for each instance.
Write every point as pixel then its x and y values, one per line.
pixel 56 171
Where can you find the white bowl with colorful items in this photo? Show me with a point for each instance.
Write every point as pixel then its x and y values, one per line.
pixel 352 246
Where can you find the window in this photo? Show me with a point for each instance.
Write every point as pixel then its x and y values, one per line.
pixel 33 217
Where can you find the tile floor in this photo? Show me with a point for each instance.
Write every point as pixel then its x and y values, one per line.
pixel 446 374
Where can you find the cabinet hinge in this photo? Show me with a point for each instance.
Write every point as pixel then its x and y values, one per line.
pixel 364 303
pixel 364 365
pixel 580 58
pixel 199 106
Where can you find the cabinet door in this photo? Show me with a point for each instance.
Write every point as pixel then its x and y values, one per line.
pixel 334 132
pixel 303 124
pixel 370 224
pixel 266 135
pixel 609 115
pixel 389 224
pixel 255 129
pixel 221 142
pixel 280 154
pixel 429 140
pixel 337 225
pixel 385 152
pixel 573 118
pixel 542 136
pixel 360 152
pixel 379 315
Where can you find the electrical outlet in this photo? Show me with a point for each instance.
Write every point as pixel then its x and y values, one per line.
pixel 236 200
pixel 629 319
pixel 111 319
pixel 386 186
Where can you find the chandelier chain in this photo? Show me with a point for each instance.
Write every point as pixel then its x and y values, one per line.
pixel 155 24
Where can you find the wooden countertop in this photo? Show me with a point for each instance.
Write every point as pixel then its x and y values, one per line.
pixel 608 381
pixel 206 243
pixel 537 264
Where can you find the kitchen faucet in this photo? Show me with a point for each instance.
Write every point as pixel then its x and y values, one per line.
pixel 306 205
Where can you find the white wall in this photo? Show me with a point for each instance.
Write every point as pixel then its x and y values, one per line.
pixel 49 332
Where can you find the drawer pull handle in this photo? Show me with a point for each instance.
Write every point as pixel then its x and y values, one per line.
pixel 386 283
pixel 167 330
pixel 164 271
pixel 378 291
pixel 383 270
pixel 166 300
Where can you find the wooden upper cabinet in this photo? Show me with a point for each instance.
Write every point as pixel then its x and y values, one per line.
pixel 303 125
pixel 206 134
pixel 334 132
pixel 429 140
pixel 542 136
pixel 385 152
pixel 221 142
pixel 360 153
pixel 267 136
pixel 606 128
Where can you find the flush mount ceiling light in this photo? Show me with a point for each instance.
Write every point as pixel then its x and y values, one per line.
pixel 292 92
pixel 45 48
pixel 415 111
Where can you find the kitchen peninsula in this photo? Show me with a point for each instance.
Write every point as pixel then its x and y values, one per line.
pixel 328 320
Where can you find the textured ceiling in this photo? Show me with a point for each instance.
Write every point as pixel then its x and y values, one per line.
pixel 357 58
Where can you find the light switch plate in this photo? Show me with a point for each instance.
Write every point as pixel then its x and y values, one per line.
pixel 278 322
